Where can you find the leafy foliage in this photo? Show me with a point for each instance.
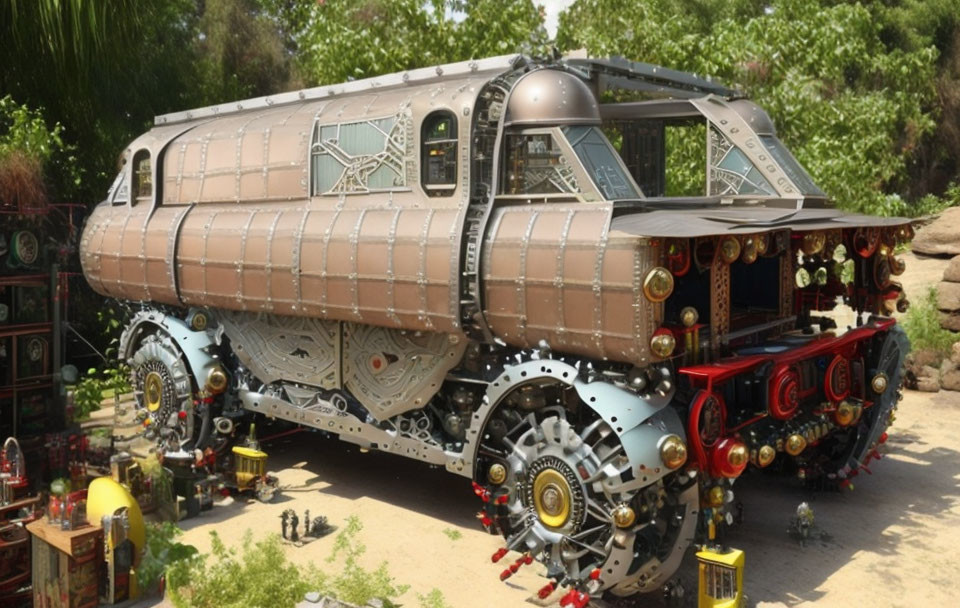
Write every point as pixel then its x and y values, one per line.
pixel 259 574
pixel 89 391
pixel 161 550
pixel 852 107
pixel 356 584
pixel 27 147
pixel 922 324
pixel 340 41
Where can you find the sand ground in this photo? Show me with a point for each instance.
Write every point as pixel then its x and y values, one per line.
pixel 889 542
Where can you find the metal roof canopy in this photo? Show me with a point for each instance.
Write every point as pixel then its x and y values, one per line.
pixel 620 73
pixel 438 73
pixel 655 109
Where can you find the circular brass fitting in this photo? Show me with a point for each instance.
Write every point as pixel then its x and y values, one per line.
pixel 199 321
pixel 497 473
pixel 765 455
pixel 846 413
pixel 216 380
pixel 552 498
pixel 689 316
pixel 795 444
pixel 662 344
pixel 623 516
pixel 879 383
pixel 813 243
pixel 153 391
pixel 658 284
pixel 738 455
pixel 673 451
pixel 750 251
pixel 730 249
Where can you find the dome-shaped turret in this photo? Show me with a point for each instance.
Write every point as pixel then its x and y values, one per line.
pixel 551 97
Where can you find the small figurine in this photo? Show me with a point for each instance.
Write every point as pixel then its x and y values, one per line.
pixel 802 523
pixel 283 523
pixel 294 521
pixel 306 523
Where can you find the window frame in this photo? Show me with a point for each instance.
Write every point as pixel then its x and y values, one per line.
pixel 587 191
pixel 133 195
pixel 440 190
pixel 314 141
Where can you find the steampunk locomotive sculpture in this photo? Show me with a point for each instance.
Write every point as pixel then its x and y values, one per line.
pixel 456 265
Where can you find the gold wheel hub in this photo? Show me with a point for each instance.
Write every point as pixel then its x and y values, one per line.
pixel 552 498
pixel 153 391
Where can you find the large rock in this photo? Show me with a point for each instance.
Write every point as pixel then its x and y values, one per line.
pixel 948 296
pixel 951 381
pixel 928 385
pixel 955 353
pixel 941 236
pixel 952 273
pixel 950 321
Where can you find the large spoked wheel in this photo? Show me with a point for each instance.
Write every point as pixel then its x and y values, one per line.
pixel 163 389
pixel 566 493
pixel 848 449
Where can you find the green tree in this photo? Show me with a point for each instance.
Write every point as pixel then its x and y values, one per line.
pixel 103 70
pixel 852 107
pixel 352 39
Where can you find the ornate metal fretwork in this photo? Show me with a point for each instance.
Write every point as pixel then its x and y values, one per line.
pixel 720 297
pixel 731 172
pixel 275 347
pixel 371 154
pixel 392 371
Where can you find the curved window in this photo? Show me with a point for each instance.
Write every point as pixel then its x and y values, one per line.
pixel 535 164
pixel 438 160
pixel 601 162
pixel 119 192
pixel 142 176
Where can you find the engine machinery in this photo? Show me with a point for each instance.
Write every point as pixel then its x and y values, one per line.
pixel 486 266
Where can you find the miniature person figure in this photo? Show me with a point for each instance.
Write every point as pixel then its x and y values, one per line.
pixel 283 523
pixel 294 521
pixel 306 523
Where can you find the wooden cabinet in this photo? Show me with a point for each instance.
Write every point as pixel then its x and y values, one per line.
pixel 66 565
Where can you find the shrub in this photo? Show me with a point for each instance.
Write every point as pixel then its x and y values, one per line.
pixel 259 574
pixel 161 551
pixel 922 324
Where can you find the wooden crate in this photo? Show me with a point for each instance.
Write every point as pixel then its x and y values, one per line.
pixel 66 566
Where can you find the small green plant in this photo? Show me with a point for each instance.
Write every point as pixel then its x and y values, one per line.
pixel 356 584
pixel 434 599
pixel 98 385
pixel 453 534
pixel 161 550
pixel 922 324
pixel 258 575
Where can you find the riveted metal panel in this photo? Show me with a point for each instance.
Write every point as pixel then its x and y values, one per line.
pixel 554 272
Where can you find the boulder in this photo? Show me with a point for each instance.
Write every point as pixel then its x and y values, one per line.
pixel 955 352
pixel 952 273
pixel 928 385
pixel 948 296
pixel 940 237
pixel 950 321
pixel 951 381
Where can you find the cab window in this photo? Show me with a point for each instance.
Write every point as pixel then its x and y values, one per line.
pixel 533 163
pixel 438 160
pixel 142 176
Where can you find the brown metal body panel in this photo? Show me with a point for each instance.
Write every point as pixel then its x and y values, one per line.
pixel 555 272
pixel 235 226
